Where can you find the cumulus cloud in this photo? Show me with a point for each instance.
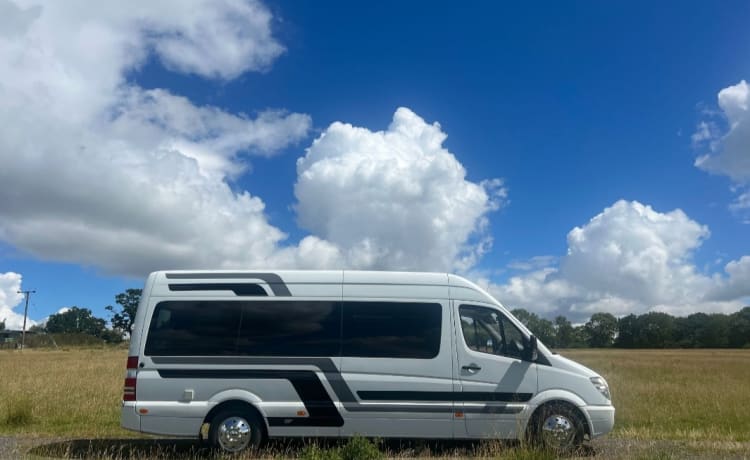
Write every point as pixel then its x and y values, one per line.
pixel 629 259
pixel 99 171
pixel 729 152
pixel 394 199
pixel 534 263
pixel 10 284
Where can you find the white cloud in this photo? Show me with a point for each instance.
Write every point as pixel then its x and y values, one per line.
pixel 396 198
pixel 533 263
pixel 96 170
pixel 736 285
pixel 10 299
pixel 629 259
pixel 741 205
pixel 729 153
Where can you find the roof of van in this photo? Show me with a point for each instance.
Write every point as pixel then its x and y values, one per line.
pixel 279 281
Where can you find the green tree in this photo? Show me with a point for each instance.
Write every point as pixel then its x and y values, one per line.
pixel 563 332
pixel 128 302
pixel 76 320
pixel 627 329
pixel 655 330
pixel 715 332
pixel 2 325
pixel 739 328
pixel 601 330
pixel 580 337
pixel 542 328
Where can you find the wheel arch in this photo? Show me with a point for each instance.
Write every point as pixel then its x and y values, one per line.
pixel 559 401
pixel 550 397
pixel 236 404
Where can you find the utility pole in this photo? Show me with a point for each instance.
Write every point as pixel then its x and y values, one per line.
pixel 25 314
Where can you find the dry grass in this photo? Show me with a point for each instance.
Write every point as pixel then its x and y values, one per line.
pixel 691 395
pixel 62 393
pixel 670 404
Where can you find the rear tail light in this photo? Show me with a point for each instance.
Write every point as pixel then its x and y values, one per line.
pixel 131 375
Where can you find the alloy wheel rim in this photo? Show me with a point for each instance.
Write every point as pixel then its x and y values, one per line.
pixel 558 432
pixel 234 434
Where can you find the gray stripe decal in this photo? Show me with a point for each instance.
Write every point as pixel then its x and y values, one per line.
pixel 338 385
pixel 277 285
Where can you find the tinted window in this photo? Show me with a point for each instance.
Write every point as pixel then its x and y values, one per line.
pixel 194 328
pixel 486 330
pixel 257 328
pixel 392 329
pixel 290 328
pixel 515 342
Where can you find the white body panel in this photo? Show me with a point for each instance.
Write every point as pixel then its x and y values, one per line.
pixel 345 393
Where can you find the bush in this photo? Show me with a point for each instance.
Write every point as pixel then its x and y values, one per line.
pixel 315 452
pixel 356 448
pixel 359 448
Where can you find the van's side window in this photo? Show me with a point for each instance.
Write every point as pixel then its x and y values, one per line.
pixel 392 329
pixel 290 328
pixel 486 330
pixel 249 328
pixel 194 328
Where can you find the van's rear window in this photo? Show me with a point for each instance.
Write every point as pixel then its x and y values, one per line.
pixel 250 328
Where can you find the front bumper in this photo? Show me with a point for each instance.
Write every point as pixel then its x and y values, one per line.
pixel 601 419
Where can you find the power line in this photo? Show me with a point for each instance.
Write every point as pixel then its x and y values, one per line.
pixel 25 314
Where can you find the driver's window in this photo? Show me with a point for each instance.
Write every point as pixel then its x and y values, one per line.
pixel 486 330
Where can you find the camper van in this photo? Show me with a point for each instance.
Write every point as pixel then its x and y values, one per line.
pixel 236 357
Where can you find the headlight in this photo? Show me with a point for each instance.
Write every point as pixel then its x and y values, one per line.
pixel 602 386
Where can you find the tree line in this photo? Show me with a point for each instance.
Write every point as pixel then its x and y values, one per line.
pixel 76 320
pixel 649 330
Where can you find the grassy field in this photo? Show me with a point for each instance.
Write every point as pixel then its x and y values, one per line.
pixel 697 398
pixel 676 394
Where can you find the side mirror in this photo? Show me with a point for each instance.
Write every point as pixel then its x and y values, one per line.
pixel 532 353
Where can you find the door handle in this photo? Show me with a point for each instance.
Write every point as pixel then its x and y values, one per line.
pixel 472 368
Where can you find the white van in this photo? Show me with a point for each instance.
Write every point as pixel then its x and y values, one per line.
pixel 240 356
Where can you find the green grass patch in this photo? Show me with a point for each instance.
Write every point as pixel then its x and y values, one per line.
pixel 18 413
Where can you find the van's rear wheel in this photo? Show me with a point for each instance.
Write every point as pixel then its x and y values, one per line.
pixel 234 431
pixel 558 427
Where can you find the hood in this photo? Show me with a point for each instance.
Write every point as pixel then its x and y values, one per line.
pixel 571 366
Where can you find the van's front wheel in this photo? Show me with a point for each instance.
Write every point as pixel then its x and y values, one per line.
pixel 558 427
pixel 234 431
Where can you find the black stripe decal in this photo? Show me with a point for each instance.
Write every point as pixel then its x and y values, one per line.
pixel 307 384
pixel 331 372
pixel 240 289
pixel 277 285
pixel 458 396
pixel 312 392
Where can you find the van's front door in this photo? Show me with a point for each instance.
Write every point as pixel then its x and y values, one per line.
pixel 496 382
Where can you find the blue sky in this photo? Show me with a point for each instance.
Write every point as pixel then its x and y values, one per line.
pixel 586 115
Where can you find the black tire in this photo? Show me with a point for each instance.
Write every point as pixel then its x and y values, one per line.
pixel 558 427
pixel 236 430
